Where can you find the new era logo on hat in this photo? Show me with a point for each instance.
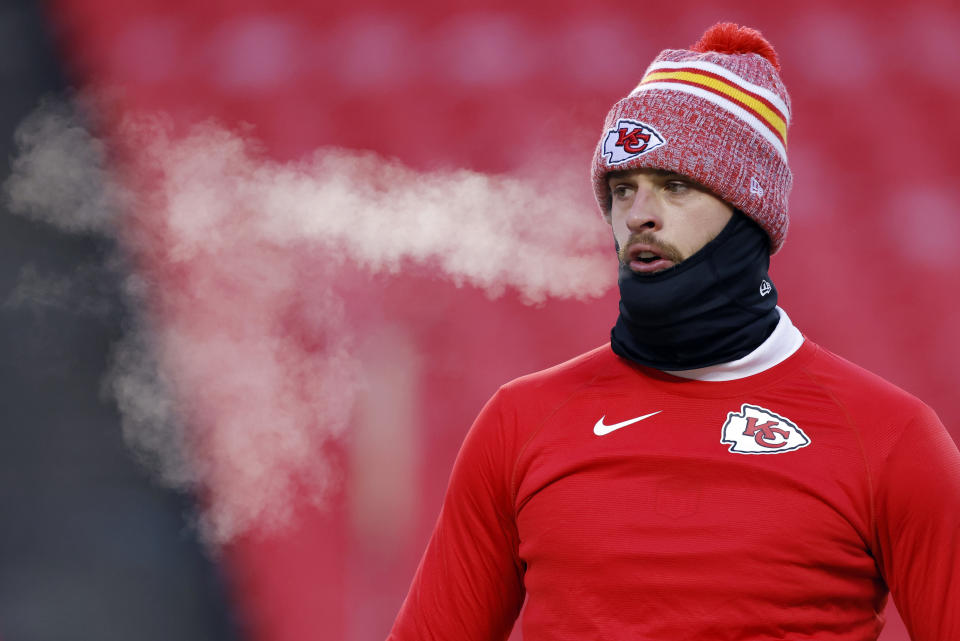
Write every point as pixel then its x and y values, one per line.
pixel 630 139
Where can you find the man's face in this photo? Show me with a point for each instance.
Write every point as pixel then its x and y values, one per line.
pixel 660 218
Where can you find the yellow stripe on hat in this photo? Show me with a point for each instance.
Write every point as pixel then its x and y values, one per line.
pixel 772 118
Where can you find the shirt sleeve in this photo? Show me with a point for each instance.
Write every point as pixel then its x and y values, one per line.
pixel 469 584
pixel 918 528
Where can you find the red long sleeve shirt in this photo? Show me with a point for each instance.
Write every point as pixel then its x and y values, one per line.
pixel 783 505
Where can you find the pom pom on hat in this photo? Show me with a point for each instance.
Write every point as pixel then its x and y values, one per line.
pixel 727 37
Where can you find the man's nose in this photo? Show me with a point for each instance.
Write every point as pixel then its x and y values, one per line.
pixel 644 214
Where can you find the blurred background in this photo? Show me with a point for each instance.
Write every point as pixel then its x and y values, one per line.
pixel 96 547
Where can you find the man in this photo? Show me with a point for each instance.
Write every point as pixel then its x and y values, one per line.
pixel 711 474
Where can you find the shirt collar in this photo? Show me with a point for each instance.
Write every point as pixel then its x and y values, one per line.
pixel 779 346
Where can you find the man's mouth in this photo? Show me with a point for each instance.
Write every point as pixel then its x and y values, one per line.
pixel 644 260
pixel 647 257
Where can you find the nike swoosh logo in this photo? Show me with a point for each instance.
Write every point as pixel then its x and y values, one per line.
pixel 601 430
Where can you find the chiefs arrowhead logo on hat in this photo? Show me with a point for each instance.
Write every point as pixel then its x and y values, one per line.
pixel 757 430
pixel 630 139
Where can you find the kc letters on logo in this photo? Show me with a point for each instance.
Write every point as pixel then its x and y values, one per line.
pixel 630 139
pixel 757 430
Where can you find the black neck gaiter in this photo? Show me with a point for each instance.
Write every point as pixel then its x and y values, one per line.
pixel 714 307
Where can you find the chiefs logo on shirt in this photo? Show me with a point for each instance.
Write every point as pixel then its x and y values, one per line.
pixel 757 430
pixel 630 139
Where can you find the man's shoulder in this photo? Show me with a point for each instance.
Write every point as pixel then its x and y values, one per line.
pixel 857 387
pixel 566 377
pixel 525 402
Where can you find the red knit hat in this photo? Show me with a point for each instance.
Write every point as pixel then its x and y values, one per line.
pixel 717 113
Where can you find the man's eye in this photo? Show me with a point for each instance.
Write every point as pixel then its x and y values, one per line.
pixel 621 191
pixel 676 186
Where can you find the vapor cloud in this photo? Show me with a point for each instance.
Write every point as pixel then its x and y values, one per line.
pixel 243 336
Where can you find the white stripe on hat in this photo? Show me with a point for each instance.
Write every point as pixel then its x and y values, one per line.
pixel 724 103
pixel 774 99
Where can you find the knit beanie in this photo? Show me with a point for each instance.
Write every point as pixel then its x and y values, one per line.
pixel 717 113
